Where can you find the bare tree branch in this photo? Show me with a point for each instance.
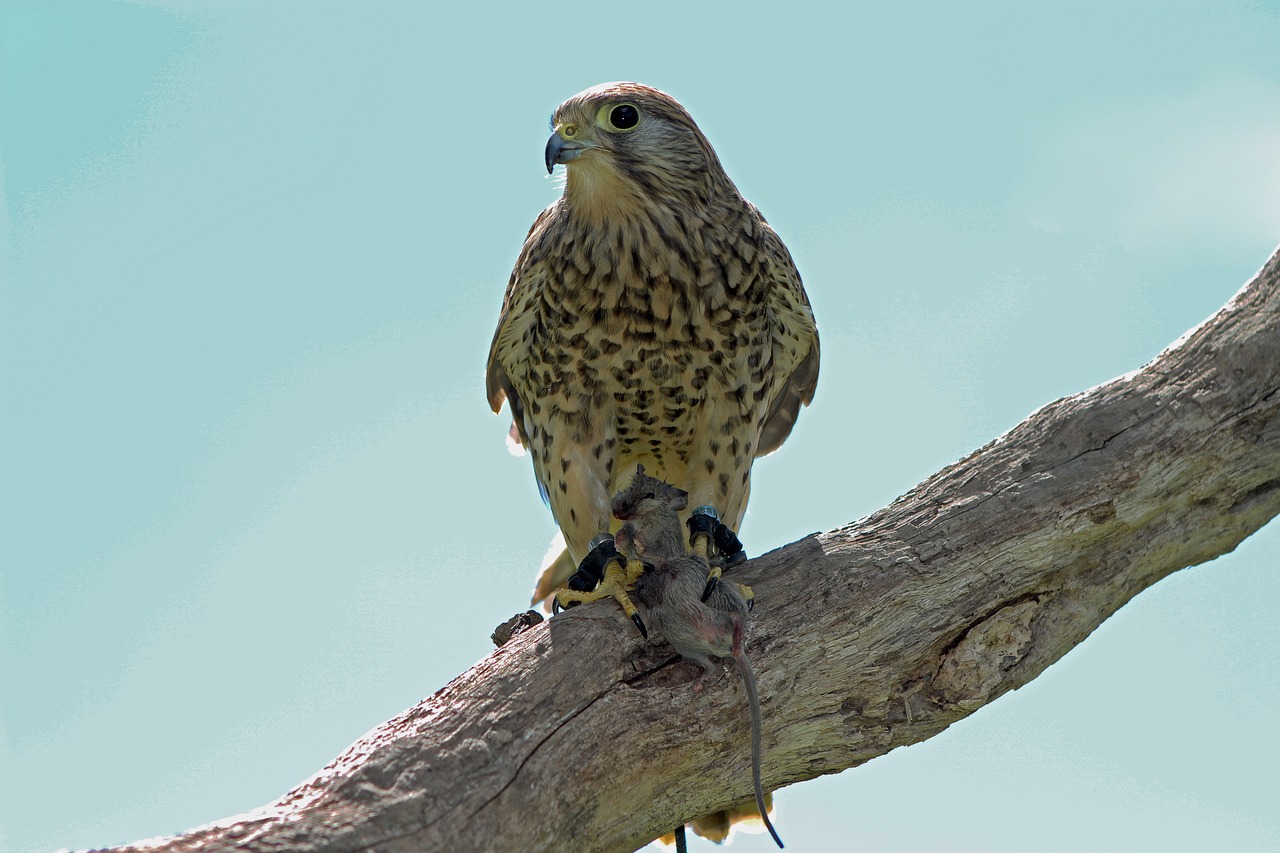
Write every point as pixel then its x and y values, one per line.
pixel 575 735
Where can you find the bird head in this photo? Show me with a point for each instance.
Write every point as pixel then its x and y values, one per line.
pixel 623 143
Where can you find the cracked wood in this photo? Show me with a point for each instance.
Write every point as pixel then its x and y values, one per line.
pixel 575 735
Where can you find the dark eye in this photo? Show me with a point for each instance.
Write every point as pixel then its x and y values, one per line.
pixel 624 117
pixel 650 496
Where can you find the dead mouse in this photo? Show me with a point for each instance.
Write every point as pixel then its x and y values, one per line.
pixel 671 590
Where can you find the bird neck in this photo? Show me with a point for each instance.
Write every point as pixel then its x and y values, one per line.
pixel 605 193
pixel 601 196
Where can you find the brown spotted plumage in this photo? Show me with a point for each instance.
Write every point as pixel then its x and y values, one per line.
pixel 652 318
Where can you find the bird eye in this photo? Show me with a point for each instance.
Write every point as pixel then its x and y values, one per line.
pixel 619 117
pixel 624 117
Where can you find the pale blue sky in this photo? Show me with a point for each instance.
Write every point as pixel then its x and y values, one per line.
pixel 251 255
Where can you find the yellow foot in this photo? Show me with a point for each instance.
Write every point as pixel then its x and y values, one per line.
pixel 731 597
pixel 714 542
pixel 702 527
pixel 619 579
pixel 713 578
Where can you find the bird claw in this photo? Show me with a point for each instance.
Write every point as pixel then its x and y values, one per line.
pixel 603 573
pixel 711 538
pixel 557 607
pixel 713 580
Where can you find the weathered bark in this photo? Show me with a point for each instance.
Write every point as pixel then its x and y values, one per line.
pixel 577 736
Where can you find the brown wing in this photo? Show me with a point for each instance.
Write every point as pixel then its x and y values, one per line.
pixel 513 322
pixel 795 345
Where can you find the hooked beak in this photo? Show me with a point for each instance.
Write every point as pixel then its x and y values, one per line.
pixel 561 150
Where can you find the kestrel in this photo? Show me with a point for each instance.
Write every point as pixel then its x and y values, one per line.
pixel 653 317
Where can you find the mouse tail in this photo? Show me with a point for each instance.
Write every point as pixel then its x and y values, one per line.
pixel 753 700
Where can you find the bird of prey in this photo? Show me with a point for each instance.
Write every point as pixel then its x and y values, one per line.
pixel 653 317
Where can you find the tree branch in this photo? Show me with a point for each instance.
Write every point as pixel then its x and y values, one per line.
pixel 576 735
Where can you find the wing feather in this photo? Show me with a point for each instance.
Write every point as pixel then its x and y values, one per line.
pixel 524 286
pixel 796 353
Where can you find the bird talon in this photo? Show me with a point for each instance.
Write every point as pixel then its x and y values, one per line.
pixel 713 580
pixel 712 583
pixel 559 604
pixel 619 577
